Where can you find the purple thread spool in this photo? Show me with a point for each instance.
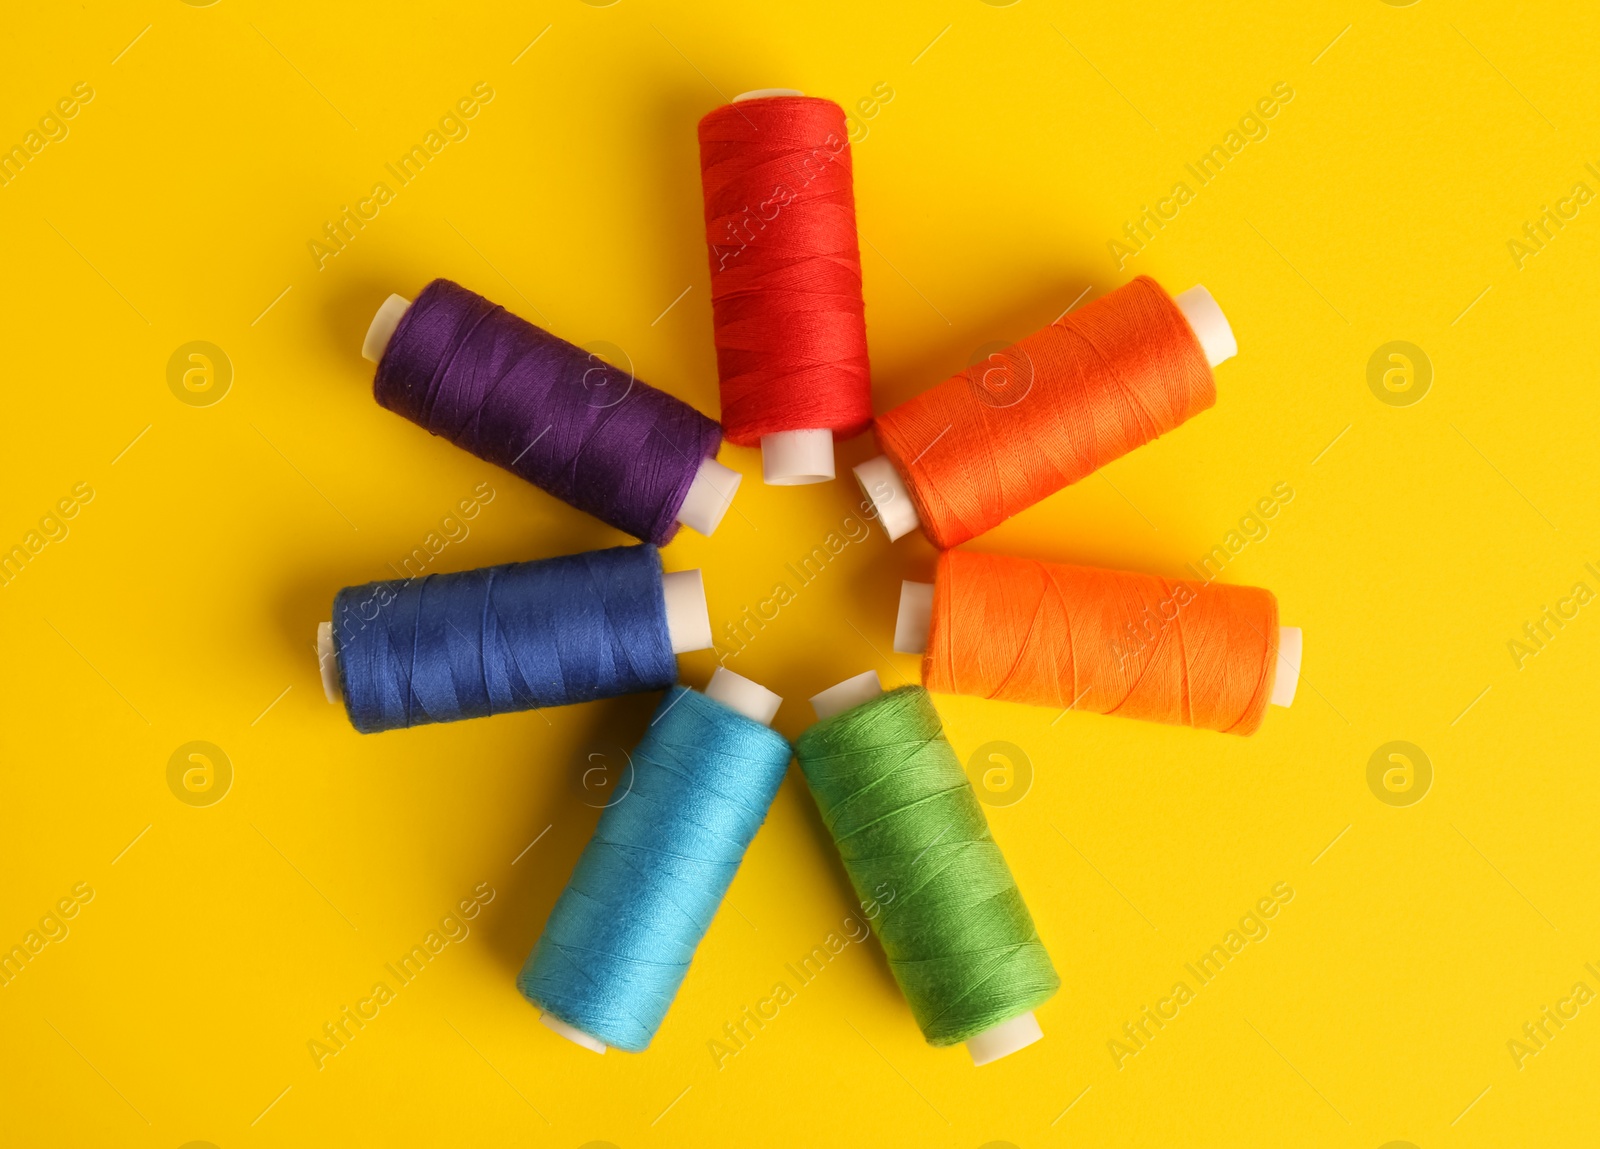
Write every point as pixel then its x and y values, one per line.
pixel 563 419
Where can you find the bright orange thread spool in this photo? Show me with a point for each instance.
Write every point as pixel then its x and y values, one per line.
pixel 1047 411
pixel 786 299
pixel 1111 642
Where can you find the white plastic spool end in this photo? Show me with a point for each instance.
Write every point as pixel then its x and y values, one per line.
pixel 737 692
pixel 846 695
pixel 576 1036
pixel 1291 644
pixel 881 483
pixel 765 93
pixel 1003 1039
pixel 327 663
pixel 1209 324
pixel 381 329
pixel 709 497
pixel 796 458
pixel 688 620
pixel 915 618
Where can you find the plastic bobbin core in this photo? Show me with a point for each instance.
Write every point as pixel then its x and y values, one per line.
pixel 1006 1038
pixel 688 620
pixel 850 693
pixel 576 1036
pixel 1209 324
pixel 914 619
pixel 766 93
pixel 796 458
pixel 737 692
pixel 329 665
pixel 381 329
pixel 709 497
pixel 881 483
pixel 1291 643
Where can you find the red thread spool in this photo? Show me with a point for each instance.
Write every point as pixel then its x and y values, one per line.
pixel 964 456
pixel 790 323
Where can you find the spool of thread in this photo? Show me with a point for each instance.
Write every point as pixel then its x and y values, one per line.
pixel 560 417
pixel 915 843
pixel 1183 652
pixel 790 323
pixel 618 942
pixel 406 652
pixel 1025 422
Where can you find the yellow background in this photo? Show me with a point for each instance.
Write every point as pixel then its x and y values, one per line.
pixel 181 605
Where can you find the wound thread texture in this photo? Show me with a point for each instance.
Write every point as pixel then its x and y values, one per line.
pixel 504 638
pixel 620 938
pixel 562 418
pixel 790 324
pixel 958 936
pixel 1045 412
pixel 1110 642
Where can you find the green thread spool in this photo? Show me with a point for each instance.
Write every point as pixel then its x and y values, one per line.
pixel 958 936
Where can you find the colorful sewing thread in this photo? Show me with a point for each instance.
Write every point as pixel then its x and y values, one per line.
pixel 517 396
pixel 1042 414
pixel 618 942
pixel 504 638
pixel 1110 642
pixel 790 324
pixel 916 844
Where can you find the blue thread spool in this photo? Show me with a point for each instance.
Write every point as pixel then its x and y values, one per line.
pixel 618 942
pixel 405 652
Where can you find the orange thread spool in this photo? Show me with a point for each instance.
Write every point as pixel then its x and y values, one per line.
pixel 1047 411
pixel 1112 642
